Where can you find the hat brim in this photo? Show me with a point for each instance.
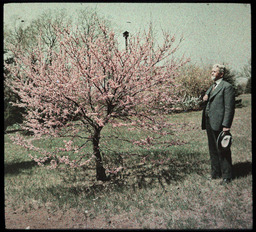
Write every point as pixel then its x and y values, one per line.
pixel 224 140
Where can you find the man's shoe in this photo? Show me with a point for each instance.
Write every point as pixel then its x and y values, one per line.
pixel 225 181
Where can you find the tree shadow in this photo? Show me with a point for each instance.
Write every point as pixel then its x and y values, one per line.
pixel 17 167
pixel 161 169
pixel 242 169
pixel 154 172
pixel 147 175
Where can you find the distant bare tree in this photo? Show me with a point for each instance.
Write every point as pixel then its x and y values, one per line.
pixel 247 70
pixel 247 73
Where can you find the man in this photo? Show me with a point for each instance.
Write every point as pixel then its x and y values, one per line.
pixel 218 116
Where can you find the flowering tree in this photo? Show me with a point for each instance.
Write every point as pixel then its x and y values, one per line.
pixel 90 83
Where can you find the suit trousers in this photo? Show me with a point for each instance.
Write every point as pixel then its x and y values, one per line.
pixel 221 161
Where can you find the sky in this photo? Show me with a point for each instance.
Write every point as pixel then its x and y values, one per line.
pixel 212 32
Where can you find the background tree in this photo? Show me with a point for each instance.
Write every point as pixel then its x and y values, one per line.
pixel 25 36
pixel 92 80
pixel 230 77
pixel 246 70
pixel 241 87
pixel 12 114
pixel 247 73
pixel 194 81
pixel 17 37
pixel 248 86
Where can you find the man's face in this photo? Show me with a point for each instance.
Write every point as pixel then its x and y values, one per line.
pixel 216 75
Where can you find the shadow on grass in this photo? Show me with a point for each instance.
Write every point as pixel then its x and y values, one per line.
pixel 16 168
pixel 163 173
pixel 159 169
pixel 243 169
pixel 154 172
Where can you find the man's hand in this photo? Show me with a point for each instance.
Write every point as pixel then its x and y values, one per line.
pixel 205 98
pixel 226 129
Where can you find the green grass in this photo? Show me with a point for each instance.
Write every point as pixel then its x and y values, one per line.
pixel 170 190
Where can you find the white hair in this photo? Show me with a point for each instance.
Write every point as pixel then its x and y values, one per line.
pixel 221 67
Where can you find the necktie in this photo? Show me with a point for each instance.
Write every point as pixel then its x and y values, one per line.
pixel 214 86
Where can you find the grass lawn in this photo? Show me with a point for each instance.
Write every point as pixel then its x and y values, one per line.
pixel 168 190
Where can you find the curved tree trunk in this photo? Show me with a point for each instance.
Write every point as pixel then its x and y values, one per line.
pixel 100 170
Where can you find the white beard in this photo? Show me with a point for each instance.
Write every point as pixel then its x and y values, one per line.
pixel 213 78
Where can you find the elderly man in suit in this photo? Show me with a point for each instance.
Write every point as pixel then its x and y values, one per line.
pixel 218 116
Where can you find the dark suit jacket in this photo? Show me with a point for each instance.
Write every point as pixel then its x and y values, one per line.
pixel 221 106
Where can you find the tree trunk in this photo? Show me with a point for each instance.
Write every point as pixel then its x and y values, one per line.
pixel 100 170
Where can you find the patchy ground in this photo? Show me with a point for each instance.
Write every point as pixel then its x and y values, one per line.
pixel 41 218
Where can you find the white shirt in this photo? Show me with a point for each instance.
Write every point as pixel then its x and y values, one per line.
pixel 218 82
